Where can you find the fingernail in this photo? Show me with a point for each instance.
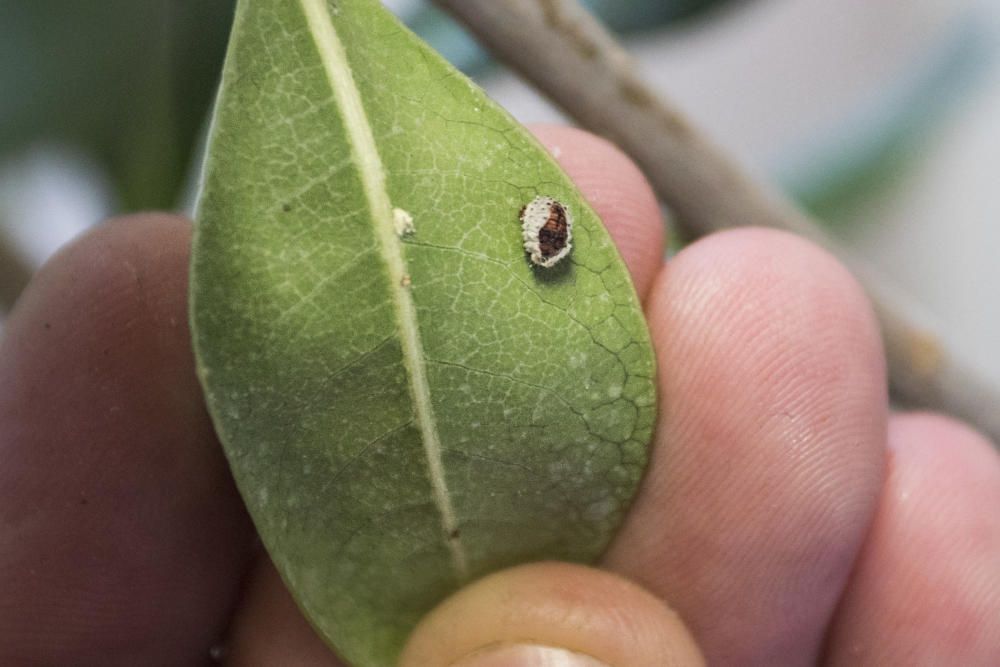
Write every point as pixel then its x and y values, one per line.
pixel 527 655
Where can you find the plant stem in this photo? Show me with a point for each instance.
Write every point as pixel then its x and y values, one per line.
pixel 572 59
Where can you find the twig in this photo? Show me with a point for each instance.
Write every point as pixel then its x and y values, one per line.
pixel 14 274
pixel 572 59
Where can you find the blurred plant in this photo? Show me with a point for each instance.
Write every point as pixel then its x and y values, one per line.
pixel 628 15
pixel 129 82
pixel 622 16
pixel 125 81
pixel 13 273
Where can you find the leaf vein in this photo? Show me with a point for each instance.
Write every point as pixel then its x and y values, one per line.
pixel 366 156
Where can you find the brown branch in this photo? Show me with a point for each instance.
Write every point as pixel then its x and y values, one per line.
pixel 572 59
pixel 14 274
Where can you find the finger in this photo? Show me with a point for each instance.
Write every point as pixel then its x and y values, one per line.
pixel 551 614
pixel 926 590
pixel 769 451
pixel 269 630
pixel 124 538
pixel 618 192
pixel 621 196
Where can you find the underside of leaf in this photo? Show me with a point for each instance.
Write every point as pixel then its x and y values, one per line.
pixel 402 411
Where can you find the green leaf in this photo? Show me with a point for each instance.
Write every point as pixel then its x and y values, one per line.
pixel 402 413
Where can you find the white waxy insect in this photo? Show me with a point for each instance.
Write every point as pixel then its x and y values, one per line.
pixel 402 222
pixel 547 229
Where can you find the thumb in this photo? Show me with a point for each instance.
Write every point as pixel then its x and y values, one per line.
pixel 551 615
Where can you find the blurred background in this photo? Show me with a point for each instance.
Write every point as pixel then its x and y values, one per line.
pixel 882 117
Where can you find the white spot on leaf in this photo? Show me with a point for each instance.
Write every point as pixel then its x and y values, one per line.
pixel 402 222
pixel 599 510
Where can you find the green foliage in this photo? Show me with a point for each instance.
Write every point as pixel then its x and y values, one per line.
pixel 127 81
pixel 130 82
pixel 402 413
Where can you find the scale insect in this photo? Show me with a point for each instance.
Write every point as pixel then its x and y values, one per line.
pixel 547 229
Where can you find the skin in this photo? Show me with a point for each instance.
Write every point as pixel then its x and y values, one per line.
pixel 787 518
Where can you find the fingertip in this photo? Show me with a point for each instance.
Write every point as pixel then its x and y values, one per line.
pixel 131 538
pixel 926 589
pixel 778 294
pixel 772 419
pixel 533 612
pixel 269 629
pixel 97 262
pixel 943 437
pixel 617 191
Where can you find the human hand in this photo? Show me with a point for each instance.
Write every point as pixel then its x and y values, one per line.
pixel 787 517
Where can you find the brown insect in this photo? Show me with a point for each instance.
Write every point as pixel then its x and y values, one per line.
pixel 547 229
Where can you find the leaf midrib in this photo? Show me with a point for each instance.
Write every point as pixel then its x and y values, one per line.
pixel 366 156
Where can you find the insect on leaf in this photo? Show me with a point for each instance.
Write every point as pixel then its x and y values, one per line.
pixel 406 400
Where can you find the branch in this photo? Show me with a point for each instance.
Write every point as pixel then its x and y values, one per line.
pixel 14 274
pixel 572 59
